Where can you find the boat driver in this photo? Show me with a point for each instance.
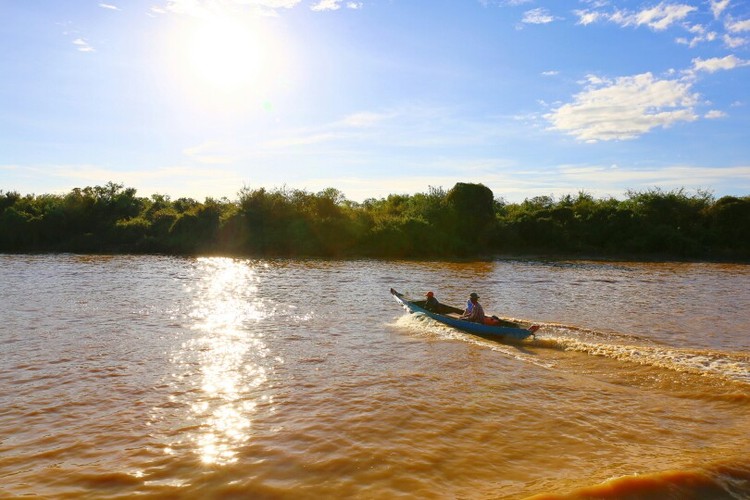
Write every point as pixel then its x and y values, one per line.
pixel 431 304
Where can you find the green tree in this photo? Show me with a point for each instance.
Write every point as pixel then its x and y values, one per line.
pixel 729 220
pixel 472 216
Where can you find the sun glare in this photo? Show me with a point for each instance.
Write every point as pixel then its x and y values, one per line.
pixel 227 56
pixel 226 53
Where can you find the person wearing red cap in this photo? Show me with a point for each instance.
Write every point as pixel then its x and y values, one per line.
pixel 431 304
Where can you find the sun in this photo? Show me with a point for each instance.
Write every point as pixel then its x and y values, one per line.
pixel 226 55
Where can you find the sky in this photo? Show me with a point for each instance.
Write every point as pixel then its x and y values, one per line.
pixel 204 98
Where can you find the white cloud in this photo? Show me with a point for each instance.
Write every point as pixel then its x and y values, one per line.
pixel 550 73
pixel 661 16
pixel 537 16
pixel 702 36
pixel 199 8
pixel 715 113
pixel 596 3
pixel 718 6
pixel 666 15
pixel 83 45
pixel 109 6
pixel 624 108
pixel 326 5
pixel 586 17
pixel 271 4
pixel 734 42
pixel 716 64
pixel 658 18
pixel 738 26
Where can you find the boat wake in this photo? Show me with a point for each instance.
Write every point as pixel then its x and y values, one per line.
pixel 726 366
pixel 729 366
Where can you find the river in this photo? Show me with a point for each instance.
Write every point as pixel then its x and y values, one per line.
pixel 164 377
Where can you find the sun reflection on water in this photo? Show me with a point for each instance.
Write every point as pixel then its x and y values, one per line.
pixel 227 358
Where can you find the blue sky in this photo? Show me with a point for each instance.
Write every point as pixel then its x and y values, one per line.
pixel 374 97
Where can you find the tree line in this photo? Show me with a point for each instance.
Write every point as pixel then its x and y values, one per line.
pixel 465 221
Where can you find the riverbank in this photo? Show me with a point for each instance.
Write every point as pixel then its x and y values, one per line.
pixel 467 222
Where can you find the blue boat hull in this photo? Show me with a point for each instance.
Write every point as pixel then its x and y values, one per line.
pixel 517 333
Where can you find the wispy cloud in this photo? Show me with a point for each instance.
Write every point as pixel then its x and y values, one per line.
pixel 304 138
pixel 83 45
pixel 661 16
pixel 658 18
pixel 734 42
pixel 718 7
pixel 199 8
pixel 715 113
pixel 326 5
pixel 501 3
pixel 667 15
pixel 735 26
pixel 537 16
pixel 700 35
pixel 270 4
pixel 109 6
pixel 715 64
pixel 670 176
pixel 210 152
pixel 625 108
pixel 586 17
pixel 156 10
pixel 349 128
pixel 366 119
pixel 176 180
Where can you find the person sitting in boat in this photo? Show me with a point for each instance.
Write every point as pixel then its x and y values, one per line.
pixel 469 305
pixel 476 313
pixel 431 304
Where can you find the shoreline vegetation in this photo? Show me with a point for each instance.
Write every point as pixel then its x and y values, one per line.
pixel 467 221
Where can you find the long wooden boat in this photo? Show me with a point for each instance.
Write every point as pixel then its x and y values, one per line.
pixel 450 316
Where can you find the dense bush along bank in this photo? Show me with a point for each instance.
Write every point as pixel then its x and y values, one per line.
pixel 465 221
